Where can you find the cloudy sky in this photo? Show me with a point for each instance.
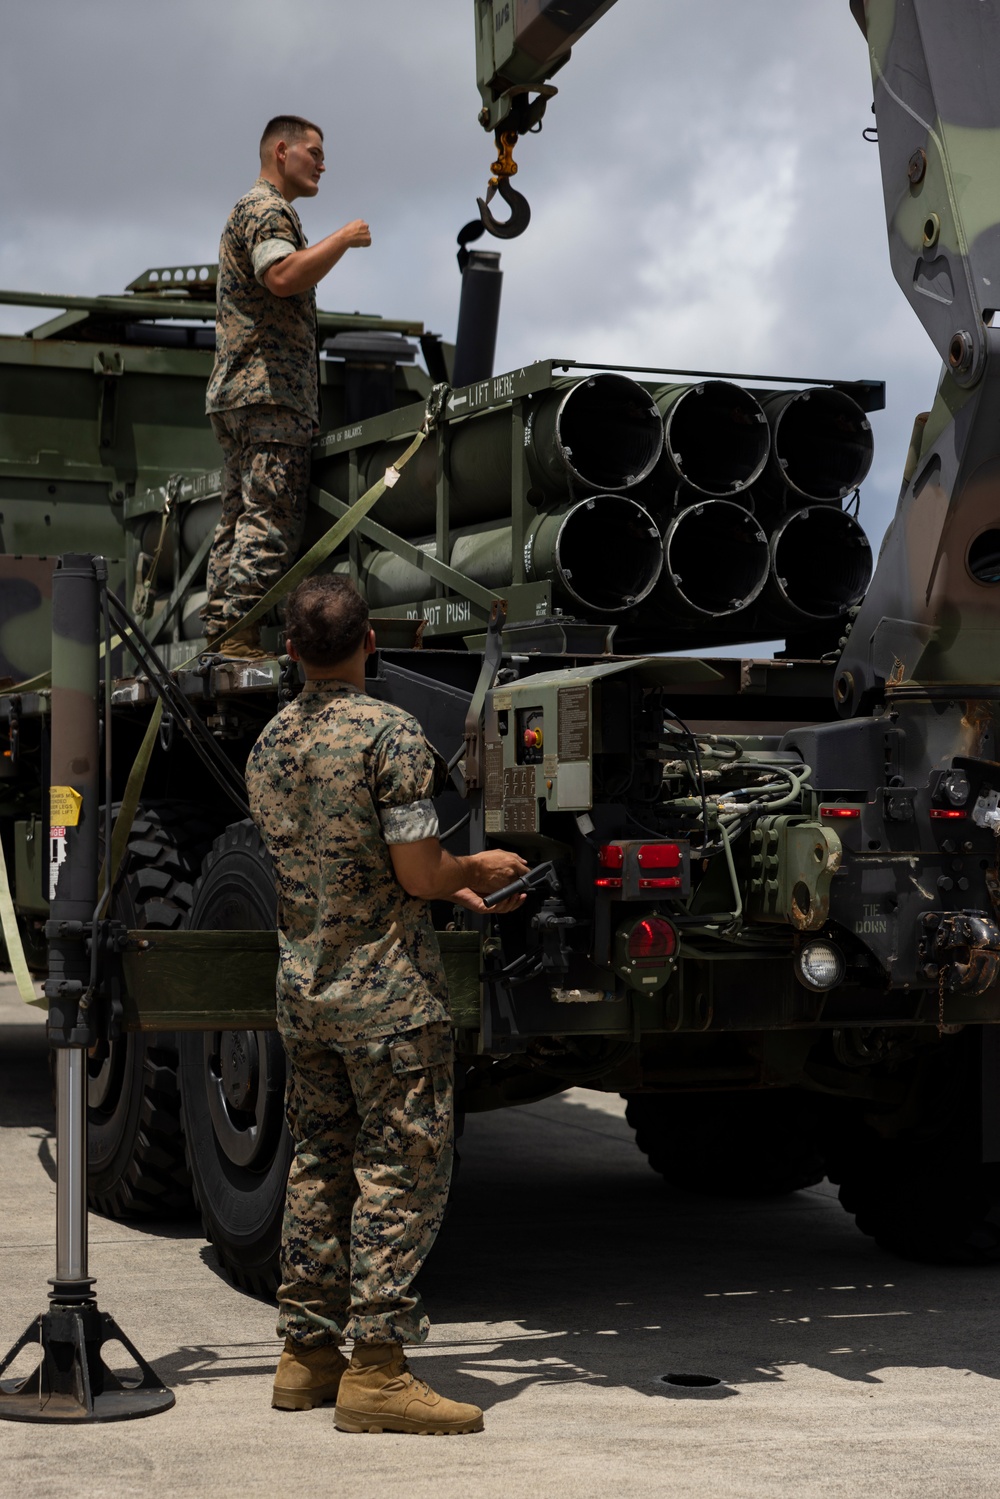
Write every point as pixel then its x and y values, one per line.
pixel 702 196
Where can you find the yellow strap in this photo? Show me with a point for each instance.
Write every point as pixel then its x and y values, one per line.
pixel 12 937
pixel 320 550
pixel 316 554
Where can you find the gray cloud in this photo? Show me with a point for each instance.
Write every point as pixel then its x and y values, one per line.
pixel 701 192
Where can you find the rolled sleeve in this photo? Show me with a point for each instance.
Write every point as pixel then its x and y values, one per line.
pixel 410 824
pixel 409 773
pixel 268 253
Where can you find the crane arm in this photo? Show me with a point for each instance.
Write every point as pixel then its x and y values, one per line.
pixel 929 616
pixel 937 108
pixel 520 44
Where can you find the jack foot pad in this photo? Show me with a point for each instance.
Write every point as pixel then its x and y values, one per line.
pixel 72 1382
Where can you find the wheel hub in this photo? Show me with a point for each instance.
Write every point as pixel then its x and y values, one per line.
pixel 105 1069
pixel 243 1101
pixel 239 1059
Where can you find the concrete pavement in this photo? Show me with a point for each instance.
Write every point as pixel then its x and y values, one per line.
pixel 565 1282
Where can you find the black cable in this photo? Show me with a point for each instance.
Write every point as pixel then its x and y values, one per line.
pixel 162 681
pixel 456 828
pixel 200 739
pixel 198 736
pixel 642 826
pixel 701 774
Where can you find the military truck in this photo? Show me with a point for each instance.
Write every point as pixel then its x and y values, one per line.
pixel 763 902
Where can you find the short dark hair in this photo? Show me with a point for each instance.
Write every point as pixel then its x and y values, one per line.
pixel 326 619
pixel 287 127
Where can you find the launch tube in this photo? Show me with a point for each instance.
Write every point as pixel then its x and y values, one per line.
pixel 602 433
pixel 821 443
pixel 716 562
pixel 602 553
pixel 821 565
pixel 716 436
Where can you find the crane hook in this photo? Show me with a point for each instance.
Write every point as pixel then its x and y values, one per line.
pixel 503 170
pixel 520 209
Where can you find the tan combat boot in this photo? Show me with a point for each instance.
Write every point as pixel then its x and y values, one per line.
pixel 243 645
pixel 307 1376
pixel 379 1393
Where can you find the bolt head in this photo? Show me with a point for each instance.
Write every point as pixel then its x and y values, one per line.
pixel 960 352
pixel 916 167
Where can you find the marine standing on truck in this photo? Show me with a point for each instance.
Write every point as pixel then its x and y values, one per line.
pixel 341 787
pixel 263 397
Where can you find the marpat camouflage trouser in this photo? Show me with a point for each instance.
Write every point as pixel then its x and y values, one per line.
pixel 265 484
pixel 373 1125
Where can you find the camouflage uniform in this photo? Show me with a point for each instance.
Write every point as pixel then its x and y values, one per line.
pixel 333 780
pixel 263 400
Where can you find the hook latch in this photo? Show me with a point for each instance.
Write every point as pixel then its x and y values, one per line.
pixel 504 169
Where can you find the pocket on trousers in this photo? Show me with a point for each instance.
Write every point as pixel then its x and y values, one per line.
pixel 419 1108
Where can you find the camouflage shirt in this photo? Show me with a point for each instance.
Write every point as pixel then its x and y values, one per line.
pixel 265 346
pixel 333 780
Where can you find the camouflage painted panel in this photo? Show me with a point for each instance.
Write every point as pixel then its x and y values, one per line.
pixel 25 616
pixel 931 610
pixel 265 345
pixel 321 778
pixel 938 112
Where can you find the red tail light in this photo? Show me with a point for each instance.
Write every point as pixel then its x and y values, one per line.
pixel 611 856
pixel 833 812
pixel 942 813
pixel 651 942
pixel 659 856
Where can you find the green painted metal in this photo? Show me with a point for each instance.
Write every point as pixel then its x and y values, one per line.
pixel 190 310
pixel 166 987
pixel 519 47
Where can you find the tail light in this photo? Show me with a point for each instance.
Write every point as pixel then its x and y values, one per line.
pixel 643 871
pixel 610 856
pixel 659 856
pixel 646 952
pixel 651 941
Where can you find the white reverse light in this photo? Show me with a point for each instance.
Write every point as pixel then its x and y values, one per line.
pixel 821 965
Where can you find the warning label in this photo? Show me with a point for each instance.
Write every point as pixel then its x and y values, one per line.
pixel 574 723
pixel 64 806
pixel 57 857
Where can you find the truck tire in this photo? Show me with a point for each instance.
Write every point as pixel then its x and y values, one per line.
pixel 233 1084
pixel 135 1151
pixel 925 1194
pixel 750 1144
